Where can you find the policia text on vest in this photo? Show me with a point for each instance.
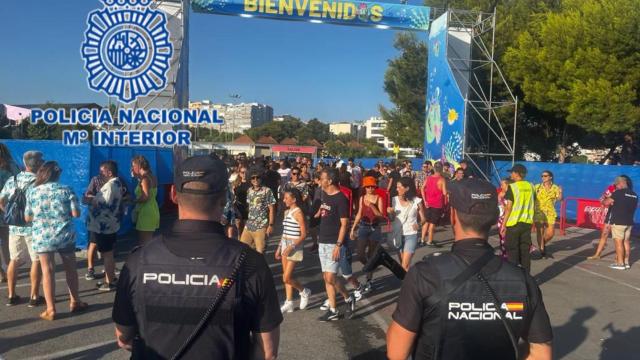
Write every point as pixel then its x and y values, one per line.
pixel 168 285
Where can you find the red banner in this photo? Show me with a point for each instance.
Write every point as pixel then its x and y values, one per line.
pixel 590 214
pixel 294 149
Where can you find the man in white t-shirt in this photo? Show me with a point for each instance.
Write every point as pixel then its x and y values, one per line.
pixel 356 180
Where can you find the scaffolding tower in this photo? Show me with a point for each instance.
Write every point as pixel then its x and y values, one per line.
pixel 491 108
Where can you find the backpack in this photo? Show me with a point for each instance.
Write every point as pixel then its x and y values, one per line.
pixel 15 207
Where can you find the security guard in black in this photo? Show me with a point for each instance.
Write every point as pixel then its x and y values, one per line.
pixel 166 286
pixel 467 320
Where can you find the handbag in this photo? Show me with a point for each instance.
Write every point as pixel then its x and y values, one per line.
pixel 215 304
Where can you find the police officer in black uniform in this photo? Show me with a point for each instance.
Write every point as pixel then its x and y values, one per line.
pixel 166 287
pixel 468 303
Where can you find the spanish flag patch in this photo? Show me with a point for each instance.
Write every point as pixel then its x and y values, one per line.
pixel 514 306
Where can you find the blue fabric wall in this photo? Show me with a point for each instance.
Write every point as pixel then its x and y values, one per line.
pixel 577 180
pixel 80 163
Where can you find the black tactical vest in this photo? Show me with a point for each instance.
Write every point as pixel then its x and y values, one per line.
pixel 466 324
pixel 171 295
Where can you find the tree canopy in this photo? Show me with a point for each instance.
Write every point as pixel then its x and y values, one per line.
pixel 404 82
pixel 582 64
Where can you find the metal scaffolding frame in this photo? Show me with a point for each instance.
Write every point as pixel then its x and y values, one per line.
pixel 176 93
pixel 487 134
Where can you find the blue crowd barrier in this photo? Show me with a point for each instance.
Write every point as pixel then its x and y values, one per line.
pixel 80 163
pixel 577 180
pixel 587 181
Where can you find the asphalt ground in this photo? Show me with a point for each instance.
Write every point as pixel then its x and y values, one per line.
pixel 593 310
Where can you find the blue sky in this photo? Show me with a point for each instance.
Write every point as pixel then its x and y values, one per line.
pixel 308 70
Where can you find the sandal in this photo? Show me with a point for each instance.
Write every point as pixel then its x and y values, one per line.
pixel 49 316
pixel 594 257
pixel 78 307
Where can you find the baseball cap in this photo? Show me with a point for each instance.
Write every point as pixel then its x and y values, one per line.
pixel 519 168
pixel 473 196
pixel 203 169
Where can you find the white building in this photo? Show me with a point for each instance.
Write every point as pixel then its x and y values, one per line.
pixel 237 117
pixel 374 127
pixel 340 128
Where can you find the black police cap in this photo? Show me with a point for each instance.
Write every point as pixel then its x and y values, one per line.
pixel 473 196
pixel 203 169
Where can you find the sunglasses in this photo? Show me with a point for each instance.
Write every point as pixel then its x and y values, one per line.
pixel 545 176
pixel 255 177
pixel 295 173
pixel 370 187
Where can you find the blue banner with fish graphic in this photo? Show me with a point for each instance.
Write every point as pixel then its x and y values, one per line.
pixel 444 125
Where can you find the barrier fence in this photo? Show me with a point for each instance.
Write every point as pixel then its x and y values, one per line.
pixel 589 214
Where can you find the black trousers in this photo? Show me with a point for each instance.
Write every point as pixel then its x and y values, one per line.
pixel 518 242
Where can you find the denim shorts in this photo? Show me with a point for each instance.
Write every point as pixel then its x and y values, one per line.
pixel 368 231
pixel 409 243
pixel 325 252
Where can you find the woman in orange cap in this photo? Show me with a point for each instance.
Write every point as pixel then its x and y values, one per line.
pixel 367 223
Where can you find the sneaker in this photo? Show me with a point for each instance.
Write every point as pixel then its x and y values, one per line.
pixel 617 266
pixel 330 316
pixel 357 293
pixel 91 275
pixel 36 302
pixel 287 307
pixel 107 287
pixel 368 287
pixel 432 244
pixel 627 266
pixel 15 300
pixel 325 305
pixel 351 305
pixel 304 298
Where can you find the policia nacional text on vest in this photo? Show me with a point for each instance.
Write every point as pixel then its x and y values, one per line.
pixel 483 314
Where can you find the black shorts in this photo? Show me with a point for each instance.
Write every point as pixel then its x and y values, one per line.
pixel 105 242
pixel 433 215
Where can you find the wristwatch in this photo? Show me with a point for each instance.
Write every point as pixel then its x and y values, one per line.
pixel 339 244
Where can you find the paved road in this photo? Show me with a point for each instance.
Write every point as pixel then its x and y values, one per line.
pixel 593 311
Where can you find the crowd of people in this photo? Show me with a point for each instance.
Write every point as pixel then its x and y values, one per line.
pixel 333 203
pixel 37 223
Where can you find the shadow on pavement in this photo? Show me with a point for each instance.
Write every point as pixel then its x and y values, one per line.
pixel 374 354
pixel 621 344
pixel 46 335
pixel 95 353
pixel 573 333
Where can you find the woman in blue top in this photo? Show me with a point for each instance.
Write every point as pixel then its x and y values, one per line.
pixel 8 168
pixel 51 208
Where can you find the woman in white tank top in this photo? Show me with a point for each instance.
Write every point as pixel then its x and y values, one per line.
pixel 294 231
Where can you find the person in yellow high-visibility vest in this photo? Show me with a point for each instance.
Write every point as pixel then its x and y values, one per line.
pixel 518 215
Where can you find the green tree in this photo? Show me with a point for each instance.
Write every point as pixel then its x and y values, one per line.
pixel 313 129
pixel 581 65
pixel 404 82
pixel 279 130
pixel 39 131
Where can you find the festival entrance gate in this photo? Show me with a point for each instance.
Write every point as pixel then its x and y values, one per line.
pixel 463 118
